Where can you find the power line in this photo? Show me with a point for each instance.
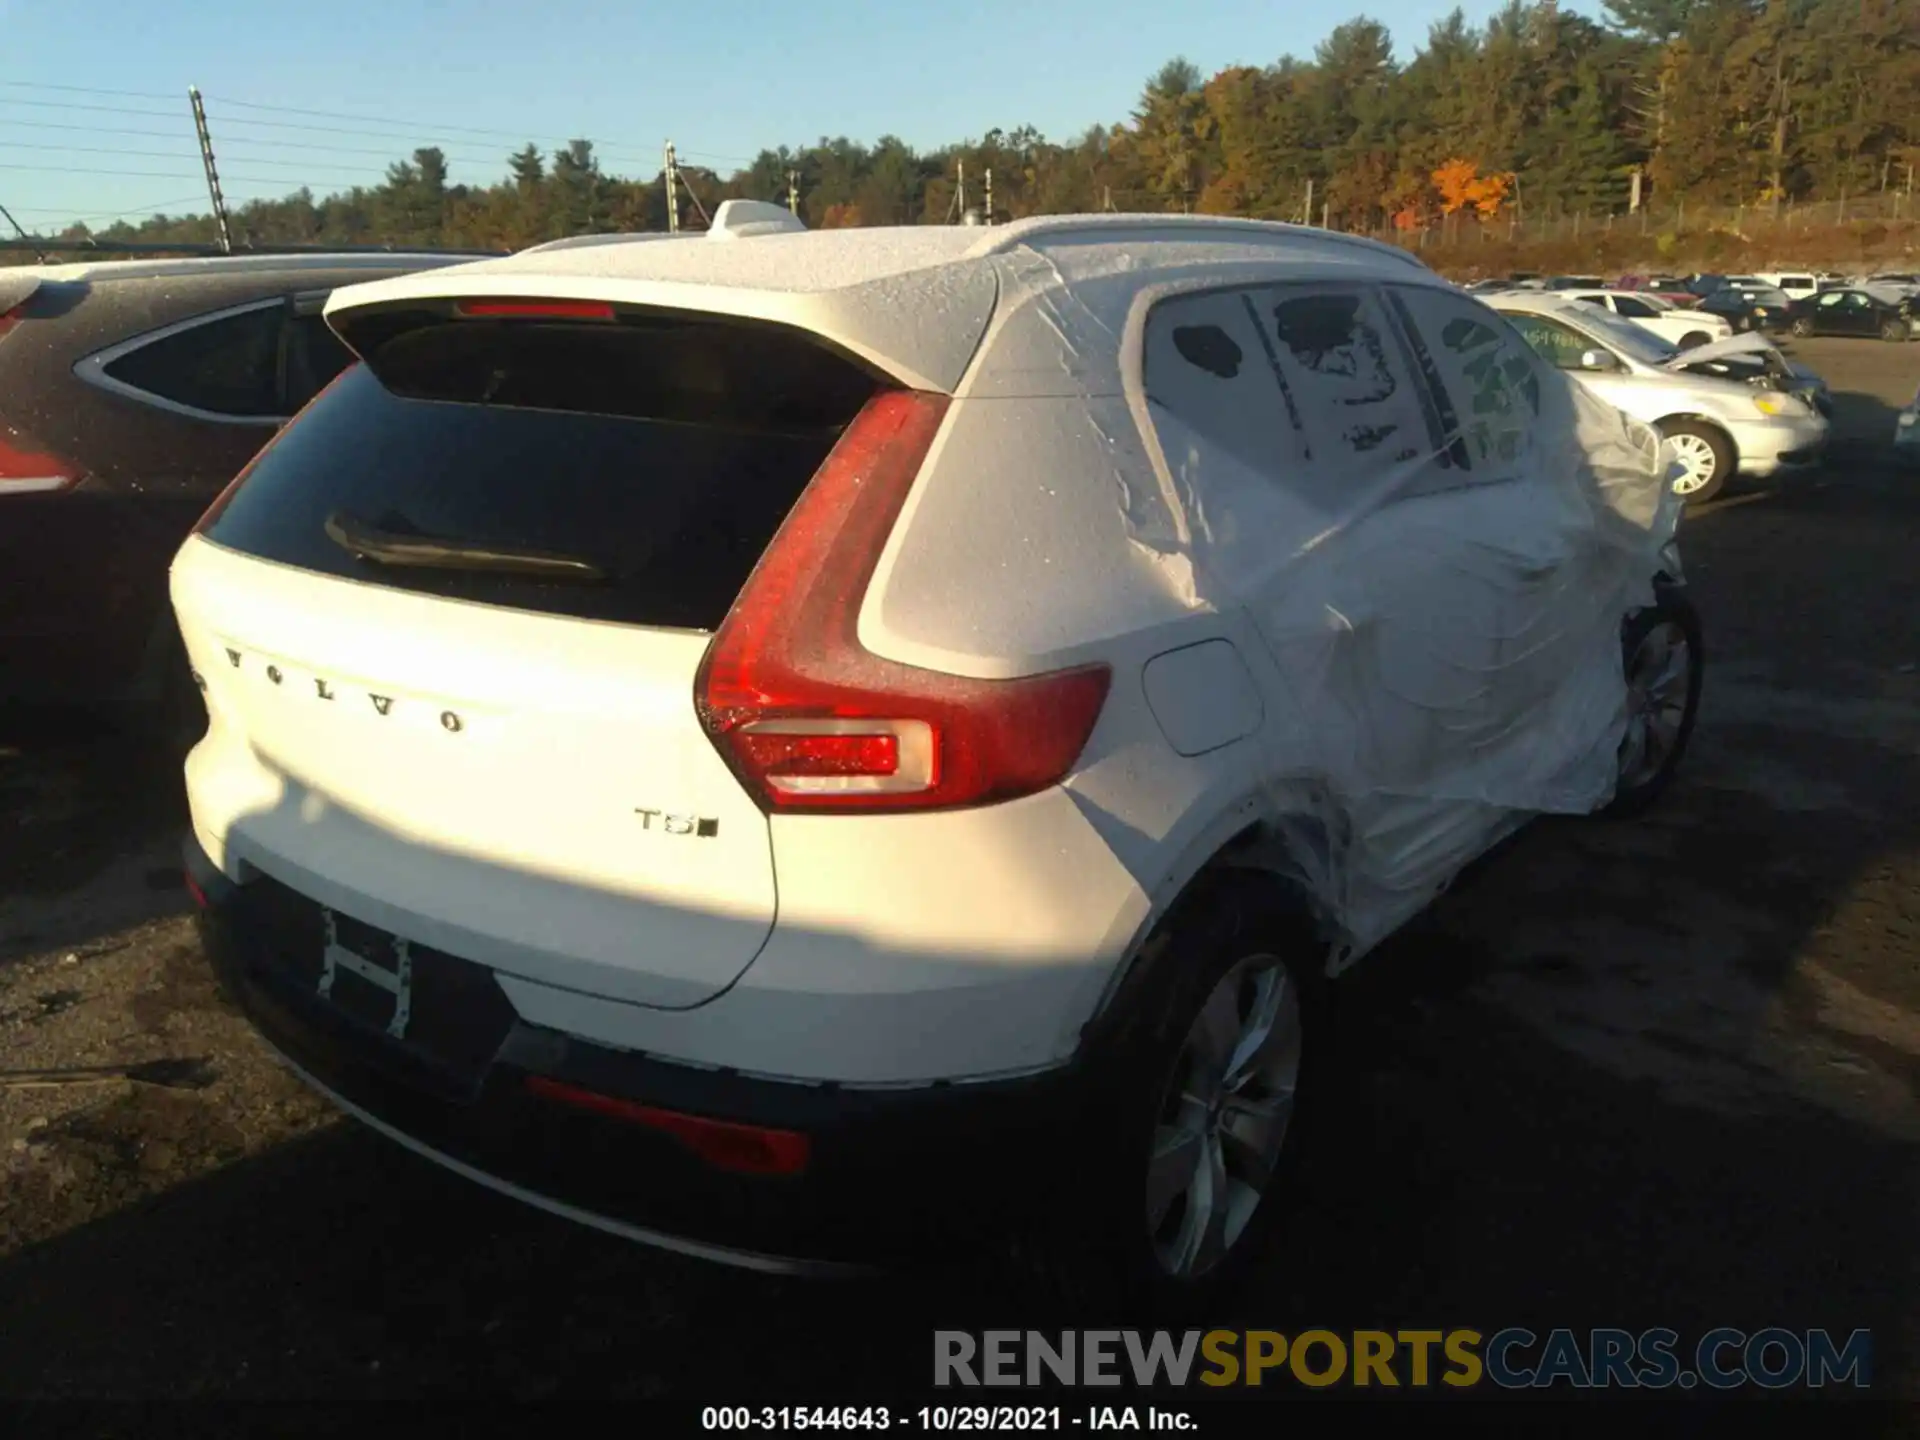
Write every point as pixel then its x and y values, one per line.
pixel 97 109
pixel 369 119
pixel 229 144
pixel 83 90
pixel 284 183
pixel 398 132
pixel 303 166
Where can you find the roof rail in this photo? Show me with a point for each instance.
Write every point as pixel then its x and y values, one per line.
pixel 1112 226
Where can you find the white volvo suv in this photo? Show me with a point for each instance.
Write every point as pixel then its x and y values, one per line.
pixel 790 746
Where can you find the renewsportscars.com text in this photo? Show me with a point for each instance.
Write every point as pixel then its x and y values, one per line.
pixel 1514 1358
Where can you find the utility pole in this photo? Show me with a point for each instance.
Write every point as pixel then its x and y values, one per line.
pixel 1306 215
pixel 213 175
pixel 989 217
pixel 960 170
pixel 793 191
pixel 673 191
pixel 1106 191
pixel 694 196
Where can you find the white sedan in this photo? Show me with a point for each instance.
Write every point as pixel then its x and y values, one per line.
pixel 1685 328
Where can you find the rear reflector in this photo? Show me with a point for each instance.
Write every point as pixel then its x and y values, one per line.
pixel 810 720
pixel 193 889
pixel 534 309
pixel 723 1144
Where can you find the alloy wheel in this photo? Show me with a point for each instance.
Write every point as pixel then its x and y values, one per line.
pixel 1657 679
pixel 1224 1117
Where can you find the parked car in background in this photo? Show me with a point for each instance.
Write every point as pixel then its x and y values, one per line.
pixel 131 392
pixel 1715 426
pixel 1855 311
pixel 1576 282
pixel 1795 285
pixel 1703 284
pixel 1669 288
pixel 1684 328
pixel 1895 279
pixel 1747 307
pixel 688 753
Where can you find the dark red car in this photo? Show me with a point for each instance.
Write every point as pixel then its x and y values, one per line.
pixel 131 392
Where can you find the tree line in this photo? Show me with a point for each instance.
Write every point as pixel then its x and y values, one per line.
pixel 1537 111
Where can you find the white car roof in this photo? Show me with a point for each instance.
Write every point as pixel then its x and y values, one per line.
pixel 914 299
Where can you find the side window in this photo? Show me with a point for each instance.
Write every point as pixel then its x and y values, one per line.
pixel 1487 386
pixel 1338 354
pixel 314 356
pixel 1552 341
pixel 1634 309
pixel 1208 367
pixel 1859 301
pixel 1833 299
pixel 229 366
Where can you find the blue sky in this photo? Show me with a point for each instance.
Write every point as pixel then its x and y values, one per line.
pixel 721 78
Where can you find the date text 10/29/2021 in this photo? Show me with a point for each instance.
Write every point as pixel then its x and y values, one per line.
pixel 945 1419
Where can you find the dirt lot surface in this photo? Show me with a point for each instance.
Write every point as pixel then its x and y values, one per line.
pixel 1665 1073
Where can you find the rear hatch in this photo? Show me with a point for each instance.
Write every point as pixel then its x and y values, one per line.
pixel 450 623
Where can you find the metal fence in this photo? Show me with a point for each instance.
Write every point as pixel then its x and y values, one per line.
pixel 1780 219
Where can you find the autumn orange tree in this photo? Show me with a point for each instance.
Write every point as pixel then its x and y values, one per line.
pixel 1461 186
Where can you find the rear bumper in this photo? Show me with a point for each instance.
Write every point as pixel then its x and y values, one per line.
pixel 892 1175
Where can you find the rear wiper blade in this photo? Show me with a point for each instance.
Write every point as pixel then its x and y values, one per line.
pixel 369 542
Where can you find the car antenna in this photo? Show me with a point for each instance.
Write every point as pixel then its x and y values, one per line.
pixel 39 254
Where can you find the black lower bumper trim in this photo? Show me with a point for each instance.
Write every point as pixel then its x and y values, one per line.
pixel 892 1174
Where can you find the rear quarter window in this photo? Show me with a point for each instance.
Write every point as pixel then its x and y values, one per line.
pixel 228 366
pixel 1314 386
pixel 665 454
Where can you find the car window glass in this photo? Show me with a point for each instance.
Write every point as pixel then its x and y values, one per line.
pixel 229 366
pixel 1340 357
pixel 1834 299
pixel 1486 384
pixel 1859 301
pixel 1208 366
pixel 1553 342
pixel 314 357
pixel 1633 309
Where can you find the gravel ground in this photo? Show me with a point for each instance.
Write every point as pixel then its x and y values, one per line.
pixel 1665 1073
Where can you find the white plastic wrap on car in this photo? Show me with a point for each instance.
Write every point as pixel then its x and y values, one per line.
pixel 1442 593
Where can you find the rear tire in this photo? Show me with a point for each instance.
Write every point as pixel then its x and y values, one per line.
pixel 1802 327
pixel 1693 338
pixel 1199 1126
pixel 1706 453
pixel 1664 666
pixel 1894 330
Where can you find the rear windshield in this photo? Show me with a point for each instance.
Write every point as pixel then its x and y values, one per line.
pixel 662 455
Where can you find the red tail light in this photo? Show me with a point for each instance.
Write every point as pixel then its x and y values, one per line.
pixel 724 1144
pixel 810 721
pixel 26 469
